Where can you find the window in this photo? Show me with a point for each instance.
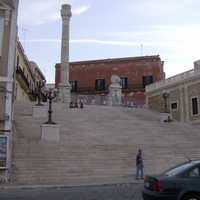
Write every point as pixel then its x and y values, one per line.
pixel 1 33
pixel 147 80
pixel 195 106
pixel 100 84
pixel 74 86
pixel 174 106
pixel 194 172
pixel 124 82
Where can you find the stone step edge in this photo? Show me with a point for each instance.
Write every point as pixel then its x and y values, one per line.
pixel 61 186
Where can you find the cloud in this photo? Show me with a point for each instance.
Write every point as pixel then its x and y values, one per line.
pixel 39 12
pixel 80 10
pixel 99 42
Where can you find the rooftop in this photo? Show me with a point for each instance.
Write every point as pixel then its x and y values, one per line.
pixel 139 58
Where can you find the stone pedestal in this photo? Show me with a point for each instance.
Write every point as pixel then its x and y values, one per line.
pixel 165 117
pixel 115 96
pixel 115 92
pixel 50 133
pixel 40 111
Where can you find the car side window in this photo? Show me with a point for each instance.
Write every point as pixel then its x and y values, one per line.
pixel 194 172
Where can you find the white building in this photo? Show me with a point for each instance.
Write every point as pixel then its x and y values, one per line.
pixel 8 35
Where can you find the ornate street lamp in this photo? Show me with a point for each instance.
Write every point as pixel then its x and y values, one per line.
pixel 50 95
pixel 40 86
pixel 165 97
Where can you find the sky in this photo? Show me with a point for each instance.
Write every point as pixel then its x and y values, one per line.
pixel 102 29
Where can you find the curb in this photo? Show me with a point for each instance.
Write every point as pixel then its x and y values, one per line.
pixel 29 187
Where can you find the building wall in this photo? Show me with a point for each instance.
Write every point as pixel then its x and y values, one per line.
pixel 9 12
pixel 20 94
pixel 86 73
pixel 193 91
pixel 27 76
pixel 181 89
pixel 37 74
pixel 3 64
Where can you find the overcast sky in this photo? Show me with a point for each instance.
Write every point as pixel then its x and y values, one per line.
pixel 110 29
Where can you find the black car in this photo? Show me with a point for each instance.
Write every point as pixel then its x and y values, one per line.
pixel 179 183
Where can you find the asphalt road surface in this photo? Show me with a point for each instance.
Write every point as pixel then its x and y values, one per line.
pixel 126 191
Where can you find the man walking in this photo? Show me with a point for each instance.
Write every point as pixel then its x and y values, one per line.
pixel 139 165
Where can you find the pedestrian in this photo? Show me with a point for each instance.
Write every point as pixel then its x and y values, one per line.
pixel 139 165
pixel 76 104
pixel 71 105
pixel 81 104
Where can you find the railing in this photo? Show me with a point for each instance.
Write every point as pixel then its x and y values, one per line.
pixel 29 90
pixel 172 80
pixel 134 88
pixel 91 90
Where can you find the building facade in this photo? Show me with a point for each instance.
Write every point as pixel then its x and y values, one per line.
pixel 183 100
pixel 27 76
pixel 93 78
pixel 24 82
pixel 8 35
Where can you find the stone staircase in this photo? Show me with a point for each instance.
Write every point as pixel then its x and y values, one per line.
pixel 98 145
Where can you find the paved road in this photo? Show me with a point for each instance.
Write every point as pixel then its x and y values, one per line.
pixel 128 191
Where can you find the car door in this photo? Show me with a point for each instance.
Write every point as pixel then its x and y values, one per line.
pixel 192 178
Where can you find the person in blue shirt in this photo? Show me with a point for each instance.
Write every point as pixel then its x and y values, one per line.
pixel 139 165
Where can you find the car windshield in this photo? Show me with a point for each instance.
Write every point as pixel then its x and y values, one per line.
pixel 178 169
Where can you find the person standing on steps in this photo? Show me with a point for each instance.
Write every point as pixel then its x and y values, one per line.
pixel 139 165
pixel 81 104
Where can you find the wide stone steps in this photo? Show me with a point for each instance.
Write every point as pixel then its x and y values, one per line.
pixel 98 144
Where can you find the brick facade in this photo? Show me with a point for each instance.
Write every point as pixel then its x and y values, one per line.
pixel 134 69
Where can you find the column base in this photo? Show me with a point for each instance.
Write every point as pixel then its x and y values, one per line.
pixel 115 95
pixel 64 95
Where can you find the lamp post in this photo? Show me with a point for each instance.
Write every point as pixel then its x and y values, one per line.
pixel 165 97
pixel 50 95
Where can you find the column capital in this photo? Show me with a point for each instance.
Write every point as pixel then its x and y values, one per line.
pixel 66 11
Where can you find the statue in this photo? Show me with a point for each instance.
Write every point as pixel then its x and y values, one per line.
pixel 115 93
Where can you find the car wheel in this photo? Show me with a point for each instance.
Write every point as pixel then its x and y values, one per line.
pixel 191 197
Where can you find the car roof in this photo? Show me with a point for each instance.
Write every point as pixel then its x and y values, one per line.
pixel 195 161
pixel 181 167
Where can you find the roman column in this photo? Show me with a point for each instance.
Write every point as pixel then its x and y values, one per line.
pixel 64 86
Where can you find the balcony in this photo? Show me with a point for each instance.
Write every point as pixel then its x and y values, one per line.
pixel 92 90
pixel 24 83
pixel 22 78
pixel 174 80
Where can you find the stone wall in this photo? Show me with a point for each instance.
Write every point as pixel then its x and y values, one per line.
pixel 194 91
pixel 181 91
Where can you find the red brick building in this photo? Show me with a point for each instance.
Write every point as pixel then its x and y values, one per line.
pixel 94 77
